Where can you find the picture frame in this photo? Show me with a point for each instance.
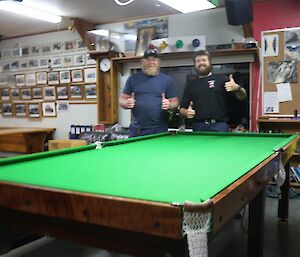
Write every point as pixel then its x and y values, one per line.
pixel 35 50
pixel 7 109
pixel 34 110
pixel 33 63
pixel 16 52
pixel 76 92
pixel 4 92
pixel 46 49
pixel 57 47
pixel 89 60
pixel 53 78
pixel 144 37
pixel 25 93
pixel 69 46
pixel 64 76
pixel 77 75
pixel 67 60
pixel 43 63
pixel 25 51
pixel 11 80
pixel 90 91
pixel 3 79
pixel 30 79
pixel 5 53
pixel 37 93
pixel 41 78
pixel 62 92
pixel 6 67
pixel 20 110
pixel 56 61
pixel 49 93
pixel 90 75
pixel 20 80
pixel 23 65
pixel 79 59
pixel 62 106
pixel 49 109
pixel 15 94
pixel 80 45
pixel 14 66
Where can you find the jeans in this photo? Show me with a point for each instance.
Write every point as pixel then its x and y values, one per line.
pixel 136 132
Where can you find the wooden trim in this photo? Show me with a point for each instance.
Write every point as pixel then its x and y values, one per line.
pixel 82 27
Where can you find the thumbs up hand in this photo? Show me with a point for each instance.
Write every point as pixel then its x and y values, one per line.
pixel 231 85
pixel 165 103
pixel 130 102
pixel 190 111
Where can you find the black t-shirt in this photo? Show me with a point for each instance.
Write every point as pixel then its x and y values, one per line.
pixel 209 98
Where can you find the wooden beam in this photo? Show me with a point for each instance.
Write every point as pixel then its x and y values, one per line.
pixel 82 27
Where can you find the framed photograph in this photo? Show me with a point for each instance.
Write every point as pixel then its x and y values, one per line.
pixel 144 37
pixel 33 63
pixel 90 91
pixel 56 61
pixel 37 93
pixel 7 109
pixel 34 110
pixel 89 60
pixel 53 78
pixel 75 92
pixel 77 75
pixel 69 46
pixel 90 75
pixel 6 67
pixel 23 64
pixel 43 63
pixel 62 92
pixel 49 109
pixel 4 92
pixel 20 110
pixel 25 51
pixel 49 93
pixel 79 59
pixel 17 52
pixel 41 78
pixel 65 76
pixel 11 80
pixel 14 66
pixel 80 45
pixel 46 49
pixel 57 47
pixel 62 106
pixel 30 79
pixel 20 80
pixel 35 50
pixel 26 93
pixel 15 94
pixel 5 53
pixel 67 60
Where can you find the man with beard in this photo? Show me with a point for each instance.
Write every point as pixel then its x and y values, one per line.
pixel 150 94
pixel 205 98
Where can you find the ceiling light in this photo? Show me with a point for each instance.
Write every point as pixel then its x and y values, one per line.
pixel 123 3
pixel 187 6
pixel 20 8
pixel 100 32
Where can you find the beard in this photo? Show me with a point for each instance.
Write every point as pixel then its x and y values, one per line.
pixel 151 71
pixel 204 71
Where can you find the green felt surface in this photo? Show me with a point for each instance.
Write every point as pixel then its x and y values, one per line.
pixel 167 168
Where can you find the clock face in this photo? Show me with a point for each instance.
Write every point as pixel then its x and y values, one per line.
pixel 105 64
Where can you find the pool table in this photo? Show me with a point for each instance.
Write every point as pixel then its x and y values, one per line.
pixel 133 195
pixel 23 140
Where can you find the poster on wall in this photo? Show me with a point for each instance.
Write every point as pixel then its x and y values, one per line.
pixel 160 26
pixel 271 102
pixel 292 45
pixel 270 45
pixel 282 72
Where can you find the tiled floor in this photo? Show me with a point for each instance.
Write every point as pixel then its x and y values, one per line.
pixel 281 240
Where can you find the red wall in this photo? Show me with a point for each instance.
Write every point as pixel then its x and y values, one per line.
pixel 269 15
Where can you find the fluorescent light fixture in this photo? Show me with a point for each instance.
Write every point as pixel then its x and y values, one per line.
pixel 100 32
pixel 19 8
pixel 186 6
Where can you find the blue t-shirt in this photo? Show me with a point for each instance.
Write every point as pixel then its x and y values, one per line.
pixel 147 112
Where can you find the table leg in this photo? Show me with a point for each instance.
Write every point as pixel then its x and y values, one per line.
pixel 256 225
pixel 283 198
pixel 35 141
